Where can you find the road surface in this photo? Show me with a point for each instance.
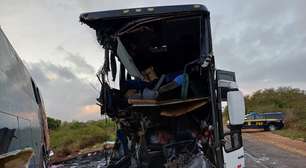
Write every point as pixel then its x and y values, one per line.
pixel 259 154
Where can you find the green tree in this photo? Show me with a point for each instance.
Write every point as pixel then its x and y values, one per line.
pixel 53 123
pixel 291 101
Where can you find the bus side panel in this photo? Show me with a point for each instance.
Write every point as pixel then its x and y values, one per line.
pixel 234 159
pixel 17 101
pixel 8 128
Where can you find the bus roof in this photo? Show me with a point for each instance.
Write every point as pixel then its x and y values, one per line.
pixel 93 19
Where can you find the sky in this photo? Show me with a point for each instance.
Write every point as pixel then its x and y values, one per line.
pixel 262 41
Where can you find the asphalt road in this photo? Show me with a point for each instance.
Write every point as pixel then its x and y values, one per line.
pixel 258 154
pixel 262 155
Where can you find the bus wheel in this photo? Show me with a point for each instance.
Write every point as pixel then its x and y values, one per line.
pixel 44 164
pixel 272 127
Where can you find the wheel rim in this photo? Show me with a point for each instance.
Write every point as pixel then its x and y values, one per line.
pixel 272 128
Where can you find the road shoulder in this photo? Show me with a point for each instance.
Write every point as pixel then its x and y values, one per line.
pixel 294 146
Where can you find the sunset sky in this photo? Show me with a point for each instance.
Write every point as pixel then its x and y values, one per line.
pixel 262 41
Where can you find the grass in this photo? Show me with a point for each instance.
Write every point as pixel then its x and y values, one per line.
pixel 291 133
pixel 76 136
pixel 285 99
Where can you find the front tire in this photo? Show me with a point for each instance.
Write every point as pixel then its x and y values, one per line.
pixel 44 164
pixel 272 127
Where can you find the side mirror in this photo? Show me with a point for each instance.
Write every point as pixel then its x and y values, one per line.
pixel 226 81
pixel 236 107
pixel 232 141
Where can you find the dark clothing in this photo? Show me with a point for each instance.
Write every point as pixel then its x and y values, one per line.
pixel 140 85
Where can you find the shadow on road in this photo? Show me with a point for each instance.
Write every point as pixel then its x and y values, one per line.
pixel 252 130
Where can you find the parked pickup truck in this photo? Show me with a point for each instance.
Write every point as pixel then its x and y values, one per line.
pixel 269 121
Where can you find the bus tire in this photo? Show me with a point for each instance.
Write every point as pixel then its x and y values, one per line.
pixel 272 127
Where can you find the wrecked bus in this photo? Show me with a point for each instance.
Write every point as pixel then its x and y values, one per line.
pixel 24 137
pixel 160 85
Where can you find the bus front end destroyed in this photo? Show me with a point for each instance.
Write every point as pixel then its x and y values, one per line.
pixel 160 85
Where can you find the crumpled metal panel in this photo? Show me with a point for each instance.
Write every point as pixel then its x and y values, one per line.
pixel 127 60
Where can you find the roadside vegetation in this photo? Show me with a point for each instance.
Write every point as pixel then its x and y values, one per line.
pixel 68 138
pixel 73 137
pixel 291 101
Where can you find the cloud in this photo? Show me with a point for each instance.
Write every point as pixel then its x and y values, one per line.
pixel 37 27
pixel 78 62
pixel 42 70
pixel 263 42
pixel 66 96
pixel 90 111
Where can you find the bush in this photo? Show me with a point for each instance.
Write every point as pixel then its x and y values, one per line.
pixel 284 99
pixel 53 123
pixel 75 136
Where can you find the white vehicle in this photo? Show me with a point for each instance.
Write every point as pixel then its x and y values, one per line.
pixel 24 138
pixel 168 103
